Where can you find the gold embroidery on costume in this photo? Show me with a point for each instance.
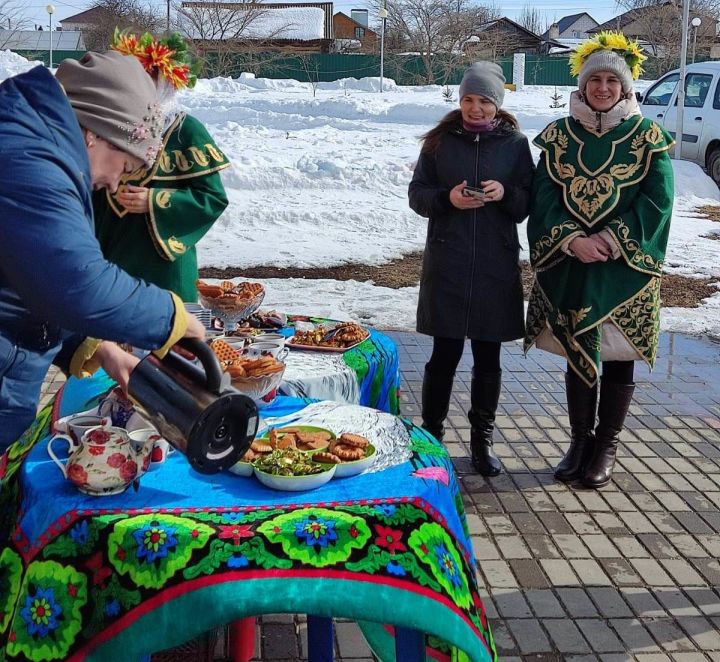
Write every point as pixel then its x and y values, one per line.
pixel 215 153
pixel 590 197
pixel 181 161
pixel 538 309
pixel 638 258
pixel 162 199
pixel 549 240
pixel 176 245
pixel 165 163
pixel 639 320
pixel 199 157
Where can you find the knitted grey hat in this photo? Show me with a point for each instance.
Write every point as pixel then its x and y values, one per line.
pixel 113 96
pixel 606 60
pixel 485 79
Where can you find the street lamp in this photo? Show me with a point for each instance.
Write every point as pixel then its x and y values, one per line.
pixel 680 122
pixel 50 10
pixel 383 14
pixel 696 22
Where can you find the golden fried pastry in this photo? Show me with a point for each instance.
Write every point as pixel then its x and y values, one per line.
pixel 327 458
pixel 356 440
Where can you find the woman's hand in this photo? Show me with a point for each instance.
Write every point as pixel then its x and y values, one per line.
pixel 494 190
pixel 136 199
pixel 195 329
pixel 116 362
pixel 461 201
pixel 589 249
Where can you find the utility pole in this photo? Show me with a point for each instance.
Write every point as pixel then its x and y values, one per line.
pixel 680 118
pixel 51 10
pixel 383 13
pixel 167 22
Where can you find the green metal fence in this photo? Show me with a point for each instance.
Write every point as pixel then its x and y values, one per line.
pixel 58 56
pixel 404 70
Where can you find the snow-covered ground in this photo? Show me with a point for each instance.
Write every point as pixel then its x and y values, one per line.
pixel 320 179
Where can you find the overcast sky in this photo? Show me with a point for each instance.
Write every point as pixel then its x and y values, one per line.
pixel 601 10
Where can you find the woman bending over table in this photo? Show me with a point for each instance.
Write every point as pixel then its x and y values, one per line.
pixel 61 138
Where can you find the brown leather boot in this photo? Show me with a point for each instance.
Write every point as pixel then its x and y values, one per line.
pixel 582 403
pixel 436 391
pixel 484 397
pixel 613 408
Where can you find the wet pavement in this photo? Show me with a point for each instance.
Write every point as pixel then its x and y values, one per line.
pixel 629 572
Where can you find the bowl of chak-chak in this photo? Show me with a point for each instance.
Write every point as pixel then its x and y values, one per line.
pixel 258 378
pixel 230 302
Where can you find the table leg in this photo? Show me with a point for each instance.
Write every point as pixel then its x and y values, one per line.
pixel 320 639
pixel 409 645
pixel 242 639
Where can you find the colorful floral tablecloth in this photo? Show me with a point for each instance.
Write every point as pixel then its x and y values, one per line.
pixel 368 374
pixel 114 578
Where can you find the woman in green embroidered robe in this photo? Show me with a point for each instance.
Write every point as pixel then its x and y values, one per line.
pixel 151 225
pixel 598 229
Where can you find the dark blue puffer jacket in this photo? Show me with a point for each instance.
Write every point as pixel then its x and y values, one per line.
pixel 55 286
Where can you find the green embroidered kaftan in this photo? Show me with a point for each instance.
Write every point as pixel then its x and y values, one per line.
pixel 186 197
pixel 621 182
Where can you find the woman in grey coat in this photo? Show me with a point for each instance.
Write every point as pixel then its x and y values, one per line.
pixel 472 181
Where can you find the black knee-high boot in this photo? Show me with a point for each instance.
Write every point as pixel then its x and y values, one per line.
pixel 613 408
pixel 582 403
pixel 436 391
pixel 484 397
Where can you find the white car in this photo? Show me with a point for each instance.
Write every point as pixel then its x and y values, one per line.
pixel 701 121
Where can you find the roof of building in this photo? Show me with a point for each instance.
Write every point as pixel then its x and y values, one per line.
pixel 296 21
pixel 620 21
pixel 39 40
pixel 91 15
pixel 490 24
pixel 568 21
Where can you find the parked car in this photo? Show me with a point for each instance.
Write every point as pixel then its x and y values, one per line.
pixel 701 130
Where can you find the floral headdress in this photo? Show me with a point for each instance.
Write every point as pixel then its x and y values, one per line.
pixel 617 42
pixel 167 57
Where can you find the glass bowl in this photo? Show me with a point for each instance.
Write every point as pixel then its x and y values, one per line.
pixel 261 388
pixel 230 309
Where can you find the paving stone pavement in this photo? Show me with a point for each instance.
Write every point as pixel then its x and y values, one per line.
pixel 629 572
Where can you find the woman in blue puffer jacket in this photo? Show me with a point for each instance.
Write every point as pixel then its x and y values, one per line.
pixel 61 138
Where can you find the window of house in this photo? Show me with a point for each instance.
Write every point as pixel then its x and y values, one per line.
pixel 359 33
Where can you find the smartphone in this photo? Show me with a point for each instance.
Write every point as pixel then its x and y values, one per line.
pixel 473 192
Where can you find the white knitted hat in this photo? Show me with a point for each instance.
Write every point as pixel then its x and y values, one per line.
pixel 606 60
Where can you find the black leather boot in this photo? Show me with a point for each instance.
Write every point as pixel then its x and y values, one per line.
pixel 582 403
pixel 613 408
pixel 436 391
pixel 484 396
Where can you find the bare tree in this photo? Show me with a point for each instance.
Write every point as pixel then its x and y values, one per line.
pixel 232 37
pixel 12 19
pixel 531 19
pixel 436 30
pixel 658 23
pixel 132 15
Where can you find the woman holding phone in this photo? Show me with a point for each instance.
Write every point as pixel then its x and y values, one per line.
pixel 472 181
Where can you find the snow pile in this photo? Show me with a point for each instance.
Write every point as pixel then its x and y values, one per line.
pixel 12 64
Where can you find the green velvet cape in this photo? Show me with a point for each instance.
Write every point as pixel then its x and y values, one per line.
pixel 186 197
pixel 622 182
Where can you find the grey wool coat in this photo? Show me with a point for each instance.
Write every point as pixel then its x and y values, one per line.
pixel 470 285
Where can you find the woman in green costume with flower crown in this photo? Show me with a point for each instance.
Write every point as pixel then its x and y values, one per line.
pixel 151 225
pixel 598 229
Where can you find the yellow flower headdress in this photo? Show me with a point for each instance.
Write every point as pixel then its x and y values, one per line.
pixel 629 50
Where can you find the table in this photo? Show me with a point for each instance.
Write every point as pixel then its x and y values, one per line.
pixel 368 374
pixel 114 578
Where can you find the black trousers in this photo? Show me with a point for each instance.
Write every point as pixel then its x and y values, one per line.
pixel 447 352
